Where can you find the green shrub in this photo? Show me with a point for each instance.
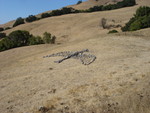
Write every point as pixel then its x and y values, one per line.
pixel 35 40
pixel 56 12
pixel 142 11
pixel 121 4
pixel 136 25
pixel 127 26
pixel 109 7
pixel 18 22
pixel 140 20
pixel 7 28
pixel 19 37
pixel 5 44
pixel 66 10
pixel 2 35
pixel 145 21
pixel 1 29
pixel 79 2
pixel 39 40
pixel 47 38
pixel 95 8
pixel 45 15
pixel 126 3
pixel 31 18
pixel 113 31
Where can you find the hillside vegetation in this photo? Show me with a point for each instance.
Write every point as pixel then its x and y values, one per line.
pixel 21 38
pixel 140 20
pixel 69 10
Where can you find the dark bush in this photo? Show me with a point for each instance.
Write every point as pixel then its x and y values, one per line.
pixel 79 2
pixel 145 21
pixel 31 18
pixel 113 31
pixel 56 12
pixel 18 22
pixel 2 35
pixel 47 38
pixel 1 29
pixel 45 15
pixel 5 44
pixel 140 20
pixel 24 38
pixel 142 11
pixel 95 8
pixel 127 26
pixel 67 10
pixel 126 3
pixel 7 28
pixel 109 7
pixel 121 4
pixel 35 40
pixel 19 38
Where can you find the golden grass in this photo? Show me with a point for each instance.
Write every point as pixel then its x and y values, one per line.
pixel 116 82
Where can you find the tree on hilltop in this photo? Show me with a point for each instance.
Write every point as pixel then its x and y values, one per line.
pixel 31 18
pixel 18 22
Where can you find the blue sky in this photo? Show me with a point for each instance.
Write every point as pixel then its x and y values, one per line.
pixel 12 9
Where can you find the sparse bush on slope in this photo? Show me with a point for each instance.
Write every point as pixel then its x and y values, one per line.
pixel 140 20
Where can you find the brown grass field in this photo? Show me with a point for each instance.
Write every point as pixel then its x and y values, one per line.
pixel 118 81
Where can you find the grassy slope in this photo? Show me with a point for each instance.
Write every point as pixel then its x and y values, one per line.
pixel 84 5
pixel 118 81
pixel 75 26
pixel 90 3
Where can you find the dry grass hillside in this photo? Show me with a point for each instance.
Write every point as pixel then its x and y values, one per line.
pixel 118 81
pixel 83 5
pixel 90 3
pixel 9 24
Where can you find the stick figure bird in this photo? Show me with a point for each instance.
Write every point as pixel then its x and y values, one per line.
pixel 85 59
